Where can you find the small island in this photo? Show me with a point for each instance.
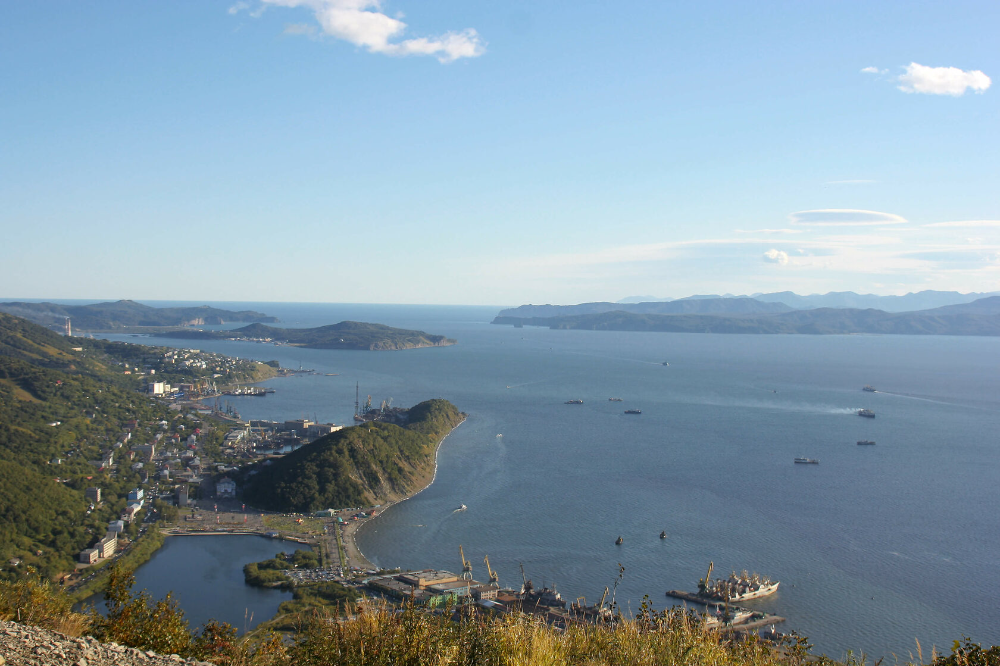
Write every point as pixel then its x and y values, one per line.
pixel 345 335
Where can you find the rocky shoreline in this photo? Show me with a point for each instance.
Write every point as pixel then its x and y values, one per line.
pixel 22 645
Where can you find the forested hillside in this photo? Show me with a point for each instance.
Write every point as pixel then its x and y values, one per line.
pixel 64 404
pixel 357 466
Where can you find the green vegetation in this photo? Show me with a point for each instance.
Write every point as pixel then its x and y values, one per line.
pixel 119 314
pixel 380 635
pixel 345 335
pixel 65 405
pixel 358 466
pixel 268 573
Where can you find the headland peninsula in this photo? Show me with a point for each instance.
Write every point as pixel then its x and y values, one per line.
pixel 117 315
pixel 345 335
pixel 748 315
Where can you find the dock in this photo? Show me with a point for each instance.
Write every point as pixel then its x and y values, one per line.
pixel 751 623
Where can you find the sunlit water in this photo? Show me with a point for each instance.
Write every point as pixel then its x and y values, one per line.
pixel 874 547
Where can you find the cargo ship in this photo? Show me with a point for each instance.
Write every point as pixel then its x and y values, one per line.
pixel 738 587
pixel 867 413
pixel 574 402
pixel 614 400
pixel 866 442
pixel 633 411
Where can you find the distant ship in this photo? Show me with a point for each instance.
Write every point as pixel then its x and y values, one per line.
pixel 614 400
pixel 867 413
pixel 866 442
pixel 806 461
pixel 869 388
pixel 665 363
pixel 663 534
pixel 461 508
pixel 619 541
pixel 633 411
pixel 574 402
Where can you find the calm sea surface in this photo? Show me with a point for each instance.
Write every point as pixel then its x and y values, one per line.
pixel 874 547
pixel 205 574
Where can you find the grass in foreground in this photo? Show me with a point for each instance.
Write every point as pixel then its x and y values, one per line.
pixel 386 636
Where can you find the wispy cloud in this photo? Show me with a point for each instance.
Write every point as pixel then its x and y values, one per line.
pixel 768 231
pixel 362 23
pixel 300 29
pixel 869 70
pixel 776 256
pixel 942 80
pixel 966 223
pixel 843 217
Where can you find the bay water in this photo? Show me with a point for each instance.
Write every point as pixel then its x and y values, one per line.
pixel 875 547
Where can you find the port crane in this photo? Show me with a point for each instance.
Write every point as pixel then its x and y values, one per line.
pixel 494 578
pixel 466 565
pixel 703 583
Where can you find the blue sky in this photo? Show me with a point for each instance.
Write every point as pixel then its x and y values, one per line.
pixel 496 153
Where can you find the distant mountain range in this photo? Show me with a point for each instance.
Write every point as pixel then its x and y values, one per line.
pixel 980 317
pixel 921 300
pixel 345 335
pixel 119 314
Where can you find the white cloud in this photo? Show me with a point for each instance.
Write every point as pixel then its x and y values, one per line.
pixel 966 223
pixel 774 256
pixel 361 23
pixel 942 80
pixel 869 70
pixel 238 7
pixel 843 217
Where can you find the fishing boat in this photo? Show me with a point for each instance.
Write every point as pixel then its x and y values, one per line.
pixel 619 541
pixel 663 534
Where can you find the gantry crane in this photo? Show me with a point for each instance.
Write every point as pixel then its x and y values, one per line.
pixel 494 578
pixel 466 565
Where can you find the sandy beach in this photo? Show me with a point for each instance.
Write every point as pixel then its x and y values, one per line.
pixel 354 555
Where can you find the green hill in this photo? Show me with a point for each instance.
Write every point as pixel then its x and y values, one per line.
pixel 119 314
pixel 345 335
pixel 64 404
pixel 358 466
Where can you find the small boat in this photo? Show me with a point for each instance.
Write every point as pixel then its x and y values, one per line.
pixel 633 411
pixel 614 400
pixel 499 436
pixel 663 534
pixel 866 442
pixel 665 363
pixel 461 508
pixel 867 413
pixel 806 461
pixel 619 541
pixel 574 402
pixel 869 388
